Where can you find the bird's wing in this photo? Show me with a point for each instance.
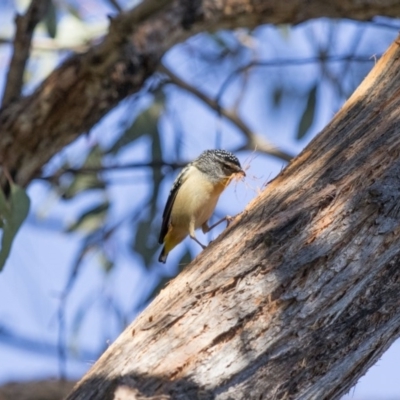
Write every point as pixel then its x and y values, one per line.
pixel 170 202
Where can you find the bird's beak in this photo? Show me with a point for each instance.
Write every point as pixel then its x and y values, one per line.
pixel 241 172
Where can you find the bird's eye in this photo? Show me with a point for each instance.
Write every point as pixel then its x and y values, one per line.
pixel 229 168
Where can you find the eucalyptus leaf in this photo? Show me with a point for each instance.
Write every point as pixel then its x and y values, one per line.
pixel 92 219
pixel 308 115
pixel 86 181
pixel 4 209
pixel 105 262
pixel 156 150
pixel 146 123
pixel 220 41
pixel 81 183
pixel 140 242
pixel 73 10
pixel 284 30
pixel 14 211
pixel 50 20
pixel 277 95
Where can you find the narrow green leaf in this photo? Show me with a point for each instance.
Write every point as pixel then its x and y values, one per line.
pixel 140 243
pixel 105 262
pixel 146 123
pixel 94 158
pixel 91 219
pixel 220 41
pixel 284 30
pixel 50 20
pixel 277 95
pixel 4 209
pixel 81 183
pixel 146 248
pixel 20 204
pixel 85 181
pixel 308 115
pixel 73 10
pixel 156 150
pixel 13 212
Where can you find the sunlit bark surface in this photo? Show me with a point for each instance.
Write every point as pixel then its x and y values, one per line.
pixel 300 296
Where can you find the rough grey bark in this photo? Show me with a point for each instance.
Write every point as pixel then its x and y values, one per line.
pixel 35 390
pixel 25 26
pixel 80 92
pixel 300 296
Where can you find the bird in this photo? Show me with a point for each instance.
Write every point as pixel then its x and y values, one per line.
pixel 194 195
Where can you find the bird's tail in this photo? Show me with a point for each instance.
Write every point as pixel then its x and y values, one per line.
pixel 170 241
pixel 163 255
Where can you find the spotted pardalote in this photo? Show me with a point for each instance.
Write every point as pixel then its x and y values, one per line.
pixel 194 195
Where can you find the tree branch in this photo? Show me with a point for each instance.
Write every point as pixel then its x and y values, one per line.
pixel 87 86
pixel 52 45
pixel 291 62
pixel 11 338
pixel 116 5
pixel 118 167
pixel 25 26
pixel 299 296
pixel 254 141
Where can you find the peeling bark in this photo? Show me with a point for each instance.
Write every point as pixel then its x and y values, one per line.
pixel 87 86
pixel 300 295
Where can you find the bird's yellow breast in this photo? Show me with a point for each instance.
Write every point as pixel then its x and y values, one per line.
pixel 195 201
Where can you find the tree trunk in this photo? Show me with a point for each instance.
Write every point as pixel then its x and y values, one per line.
pixel 87 86
pixel 300 296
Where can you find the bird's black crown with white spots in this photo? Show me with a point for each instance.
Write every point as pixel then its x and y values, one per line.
pixel 222 155
pixel 217 163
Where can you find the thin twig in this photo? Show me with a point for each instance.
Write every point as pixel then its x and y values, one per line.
pixel 288 62
pixel 115 167
pixel 21 341
pixel 25 25
pixel 254 141
pixel 43 44
pixel 116 5
pixel 92 242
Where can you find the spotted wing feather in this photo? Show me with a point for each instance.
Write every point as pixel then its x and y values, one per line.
pixel 170 202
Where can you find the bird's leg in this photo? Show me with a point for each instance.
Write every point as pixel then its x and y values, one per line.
pixel 192 236
pixel 205 228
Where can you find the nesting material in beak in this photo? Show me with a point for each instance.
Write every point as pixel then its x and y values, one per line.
pixel 240 175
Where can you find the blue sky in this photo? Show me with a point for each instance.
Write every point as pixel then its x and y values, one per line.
pixel 43 253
